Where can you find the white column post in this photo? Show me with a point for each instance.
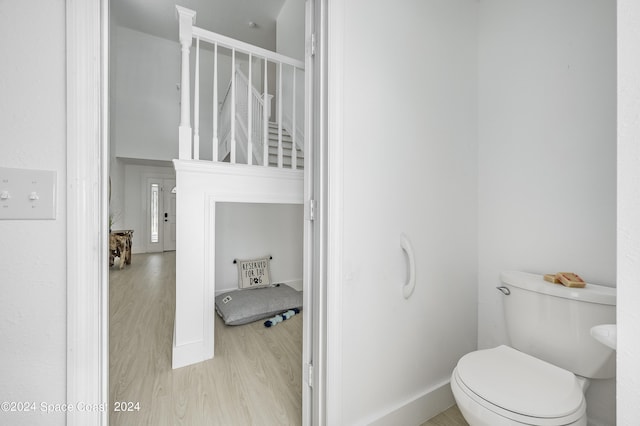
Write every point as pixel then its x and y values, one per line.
pixel 196 105
pixel 186 19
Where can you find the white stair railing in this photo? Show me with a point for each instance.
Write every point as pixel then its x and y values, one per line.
pixel 250 131
pixel 240 121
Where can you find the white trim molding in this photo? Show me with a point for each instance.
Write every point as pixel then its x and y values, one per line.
pixel 416 409
pixel 87 211
pixel 628 201
pixel 334 193
pixel 200 185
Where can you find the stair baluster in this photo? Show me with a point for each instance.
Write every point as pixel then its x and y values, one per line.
pixel 265 118
pixel 241 130
pixel 216 141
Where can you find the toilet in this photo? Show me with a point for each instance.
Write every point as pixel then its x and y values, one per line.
pixel 542 376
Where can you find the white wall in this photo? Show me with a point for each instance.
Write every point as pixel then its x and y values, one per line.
pixel 547 149
pixel 628 388
pixel 33 253
pixel 290 41
pixel 247 231
pixel 290 29
pixel 145 99
pixel 408 112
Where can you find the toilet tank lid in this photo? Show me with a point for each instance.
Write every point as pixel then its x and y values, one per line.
pixel 533 282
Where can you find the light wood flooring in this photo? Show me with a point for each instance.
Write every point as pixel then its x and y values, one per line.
pixel 450 417
pixel 255 377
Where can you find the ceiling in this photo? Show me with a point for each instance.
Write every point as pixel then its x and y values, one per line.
pixel 227 17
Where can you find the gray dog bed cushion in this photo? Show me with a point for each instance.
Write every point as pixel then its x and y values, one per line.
pixel 244 306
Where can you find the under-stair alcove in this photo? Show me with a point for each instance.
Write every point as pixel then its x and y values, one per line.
pixel 201 186
pixel 254 230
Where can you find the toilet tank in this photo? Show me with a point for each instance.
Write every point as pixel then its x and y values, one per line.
pixel 553 322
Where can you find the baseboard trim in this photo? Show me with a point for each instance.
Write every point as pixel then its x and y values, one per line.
pixel 418 409
pixel 187 354
pixel 295 284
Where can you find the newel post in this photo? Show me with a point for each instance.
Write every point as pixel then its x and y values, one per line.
pixel 186 19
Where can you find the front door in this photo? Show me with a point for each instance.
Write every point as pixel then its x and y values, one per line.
pixel 161 214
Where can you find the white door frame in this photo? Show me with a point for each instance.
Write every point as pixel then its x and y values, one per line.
pixel 87 32
pixel 87 214
pixel 331 187
pixel 87 207
pixel 309 313
pixel 167 186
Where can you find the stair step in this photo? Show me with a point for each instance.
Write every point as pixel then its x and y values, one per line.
pixel 286 161
pixel 274 142
pixel 273 150
pixel 275 132
pixel 274 137
pixel 285 144
pixel 274 125
pixel 285 136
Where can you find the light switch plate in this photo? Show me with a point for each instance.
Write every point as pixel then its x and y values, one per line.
pixel 27 194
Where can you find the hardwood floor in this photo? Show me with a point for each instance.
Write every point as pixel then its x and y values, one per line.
pixel 450 417
pixel 255 377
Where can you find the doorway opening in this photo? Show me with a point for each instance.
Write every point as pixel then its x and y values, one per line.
pixel 90 121
pixel 158 215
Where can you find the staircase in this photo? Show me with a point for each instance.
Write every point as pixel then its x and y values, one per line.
pixel 242 131
pixel 286 148
pixel 243 112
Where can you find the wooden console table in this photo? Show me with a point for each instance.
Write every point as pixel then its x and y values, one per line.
pixel 120 246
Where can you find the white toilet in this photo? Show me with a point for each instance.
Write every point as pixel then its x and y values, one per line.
pixel 541 378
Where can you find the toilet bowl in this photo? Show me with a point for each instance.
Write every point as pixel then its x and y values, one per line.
pixel 541 377
pixel 502 386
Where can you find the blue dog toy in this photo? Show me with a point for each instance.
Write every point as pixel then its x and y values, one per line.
pixel 279 318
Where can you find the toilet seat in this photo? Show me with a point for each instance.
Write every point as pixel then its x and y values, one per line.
pixel 519 387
